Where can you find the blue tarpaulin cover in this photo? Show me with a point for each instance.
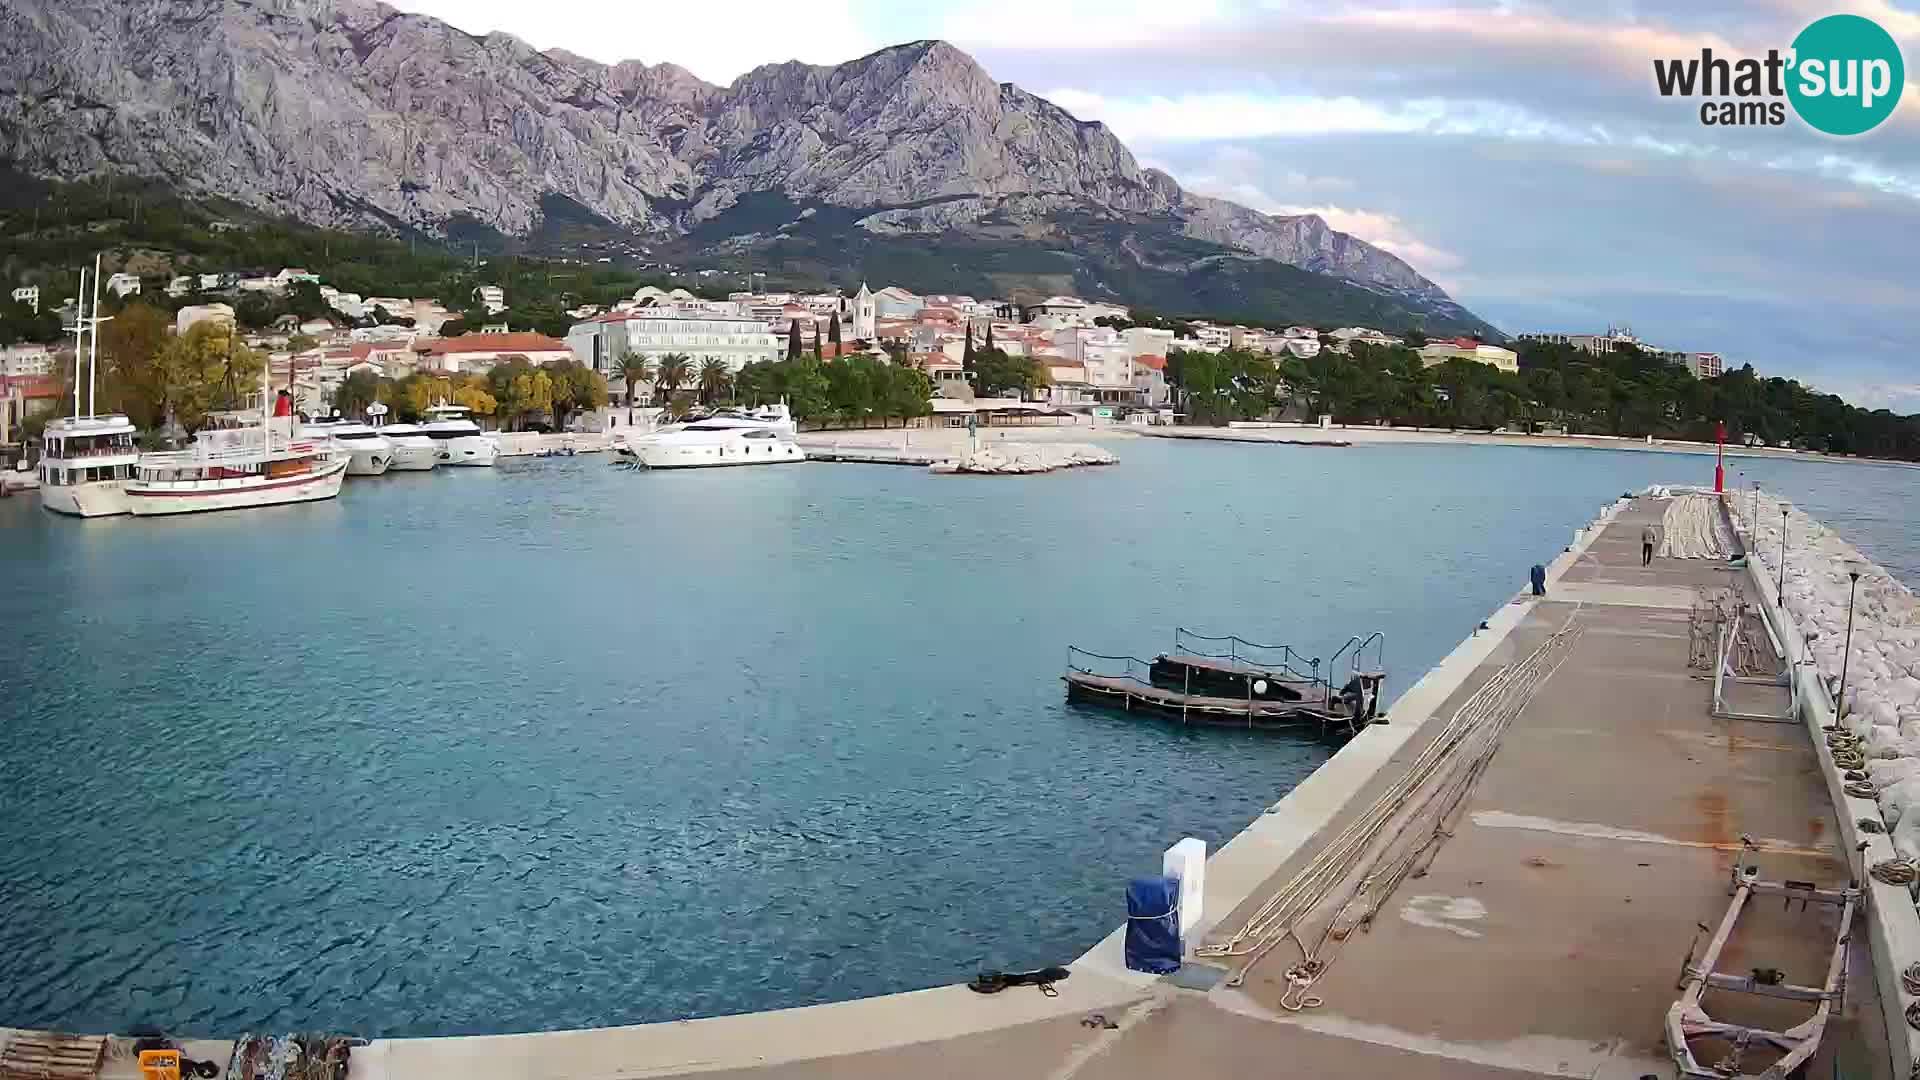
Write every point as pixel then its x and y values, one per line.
pixel 1153 925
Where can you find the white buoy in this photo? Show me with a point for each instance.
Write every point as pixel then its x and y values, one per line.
pixel 1187 860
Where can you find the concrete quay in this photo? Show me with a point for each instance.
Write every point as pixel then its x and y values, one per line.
pixel 1543 939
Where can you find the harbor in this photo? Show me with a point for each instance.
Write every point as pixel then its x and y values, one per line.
pixel 1623 692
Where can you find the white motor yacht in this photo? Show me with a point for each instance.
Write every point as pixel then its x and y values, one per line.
pixel 459 439
pixel 413 449
pixel 763 436
pixel 369 452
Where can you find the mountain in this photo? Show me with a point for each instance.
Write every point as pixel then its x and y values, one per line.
pixel 350 113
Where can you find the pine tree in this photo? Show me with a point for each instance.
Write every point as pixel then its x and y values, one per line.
pixel 816 339
pixel 989 336
pixel 966 351
pixel 793 341
pixel 833 333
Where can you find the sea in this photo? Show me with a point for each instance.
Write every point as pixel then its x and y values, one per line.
pixel 556 745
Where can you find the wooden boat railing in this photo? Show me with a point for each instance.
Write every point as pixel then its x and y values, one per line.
pixel 1132 668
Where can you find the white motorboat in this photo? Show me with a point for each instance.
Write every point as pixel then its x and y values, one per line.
pixel 85 461
pixel 369 452
pixel 763 436
pixel 413 449
pixel 459 439
pixel 243 459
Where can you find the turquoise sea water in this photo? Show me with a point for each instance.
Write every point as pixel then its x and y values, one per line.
pixel 554 745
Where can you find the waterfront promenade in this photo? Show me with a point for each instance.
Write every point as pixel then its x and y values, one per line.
pixel 1544 939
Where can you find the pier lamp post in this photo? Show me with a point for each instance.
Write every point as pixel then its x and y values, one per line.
pixel 1846 653
pixel 1780 590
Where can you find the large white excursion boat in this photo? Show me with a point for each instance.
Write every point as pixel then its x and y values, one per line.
pixel 413 450
pixel 459 439
pixel 244 459
pixel 369 452
pixel 85 461
pixel 763 436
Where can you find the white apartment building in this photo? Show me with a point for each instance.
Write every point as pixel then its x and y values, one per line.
pixel 187 317
pixel 28 295
pixel 22 361
pixel 491 297
pixel 894 302
pixel 1346 336
pixel 1146 341
pixel 181 285
pixel 124 284
pixel 1439 352
pixel 1615 339
pixel 865 313
pixel 1213 338
pixel 734 339
pixel 1705 365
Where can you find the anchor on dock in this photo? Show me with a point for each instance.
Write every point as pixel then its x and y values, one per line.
pixel 1232 682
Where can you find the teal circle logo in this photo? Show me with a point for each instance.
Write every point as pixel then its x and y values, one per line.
pixel 1846 75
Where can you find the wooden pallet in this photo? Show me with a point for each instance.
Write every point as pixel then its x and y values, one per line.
pixel 49 1055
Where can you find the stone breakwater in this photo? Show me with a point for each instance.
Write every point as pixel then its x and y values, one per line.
pixel 1014 458
pixel 1882 694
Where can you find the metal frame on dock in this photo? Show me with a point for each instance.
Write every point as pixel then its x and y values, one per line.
pixel 1723 672
pixel 1686 1019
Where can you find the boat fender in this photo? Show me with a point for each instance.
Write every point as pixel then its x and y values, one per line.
pixel 1259 687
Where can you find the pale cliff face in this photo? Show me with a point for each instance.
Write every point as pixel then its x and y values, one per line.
pixel 347 112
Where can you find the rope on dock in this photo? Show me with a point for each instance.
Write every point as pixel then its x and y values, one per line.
pixel 1899 871
pixel 1349 879
pixel 1694 528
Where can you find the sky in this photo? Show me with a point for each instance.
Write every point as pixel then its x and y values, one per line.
pixel 1515 152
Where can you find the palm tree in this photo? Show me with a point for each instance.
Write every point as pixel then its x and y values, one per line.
pixel 672 373
pixel 714 378
pixel 634 370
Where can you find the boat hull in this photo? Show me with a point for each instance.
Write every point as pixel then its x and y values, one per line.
pixel 369 462
pixel 102 498
pixel 474 450
pixel 414 458
pixel 771 452
pixel 162 499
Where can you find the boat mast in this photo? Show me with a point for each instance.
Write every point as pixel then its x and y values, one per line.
pixel 93 341
pixel 79 326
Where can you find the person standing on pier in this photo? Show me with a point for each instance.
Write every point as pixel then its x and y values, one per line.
pixel 1649 536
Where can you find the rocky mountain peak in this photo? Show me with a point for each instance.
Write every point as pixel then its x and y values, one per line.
pixel 352 113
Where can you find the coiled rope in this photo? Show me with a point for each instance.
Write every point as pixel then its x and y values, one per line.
pixel 1900 871
pixel 1427 795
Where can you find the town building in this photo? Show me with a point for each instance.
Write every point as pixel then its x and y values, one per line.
pixel 124 284
pixel 480 352
pixel 1439 352
pixel 491 297
pixel 1347 336
pixel 181 285
pixel 187 317
pixel 28 295
pixel 1705 365
pixel 894 302
pixel 1614 340
pixel 865 314
pixel 653 332
pixel 27 361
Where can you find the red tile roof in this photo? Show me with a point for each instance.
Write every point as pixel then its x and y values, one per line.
pixel 1157 363
pixel 493 343
pixel 33 386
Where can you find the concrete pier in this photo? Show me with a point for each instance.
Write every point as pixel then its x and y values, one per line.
pixel 1544 939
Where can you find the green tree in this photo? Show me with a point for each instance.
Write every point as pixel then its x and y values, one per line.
pixel 634 370
pixel 833 333
pixel 673 372
pixel 357 391
pixel 304 300
pixel 995 374
pixel 130 347
pixel 576 388
pixel 713 379
pixel 793 340
pixel 202 370
pixel 300 343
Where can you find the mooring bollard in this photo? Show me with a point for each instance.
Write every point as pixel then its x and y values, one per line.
pixel 1187 860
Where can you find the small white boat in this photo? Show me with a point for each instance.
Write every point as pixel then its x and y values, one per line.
pixel 763 436
pixel 369 452
pixel 459 439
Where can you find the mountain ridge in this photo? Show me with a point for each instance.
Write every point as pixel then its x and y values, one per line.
pixel 246 99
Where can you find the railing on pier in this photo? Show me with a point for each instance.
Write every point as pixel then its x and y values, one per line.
pixel 1276 658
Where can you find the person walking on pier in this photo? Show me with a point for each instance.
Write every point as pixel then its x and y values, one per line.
pixel 1649 536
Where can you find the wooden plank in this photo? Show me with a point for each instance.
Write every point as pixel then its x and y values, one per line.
pixel 52 1056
